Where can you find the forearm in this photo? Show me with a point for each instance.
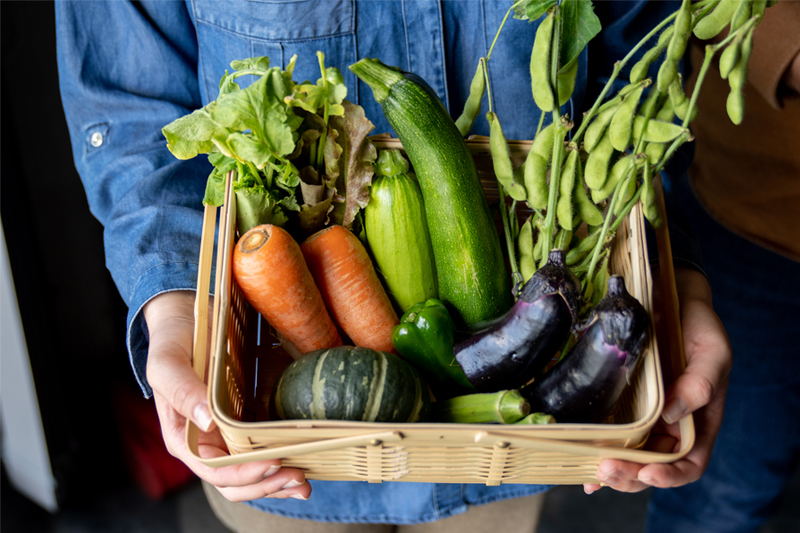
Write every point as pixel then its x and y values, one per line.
pixel 126 70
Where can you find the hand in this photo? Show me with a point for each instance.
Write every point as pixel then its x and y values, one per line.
pixel 180 394
pixel 700 390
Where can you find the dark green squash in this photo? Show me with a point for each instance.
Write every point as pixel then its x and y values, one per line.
pixel 470 268
pixel 351 383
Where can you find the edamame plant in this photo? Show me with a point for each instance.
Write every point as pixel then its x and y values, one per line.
pixel 597 174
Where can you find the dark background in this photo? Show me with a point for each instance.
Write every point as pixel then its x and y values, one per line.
pixel 73 317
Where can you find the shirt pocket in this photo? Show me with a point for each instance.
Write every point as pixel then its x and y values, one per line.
pixel 239 29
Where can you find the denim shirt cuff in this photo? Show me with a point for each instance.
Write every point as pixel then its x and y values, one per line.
pixel 166 277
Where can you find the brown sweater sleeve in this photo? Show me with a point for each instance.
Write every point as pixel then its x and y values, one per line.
pixel 776 42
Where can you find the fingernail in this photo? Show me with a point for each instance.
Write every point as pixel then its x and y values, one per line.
pixel 271 470
pixel 587 490
pixel 202 416
pixel 299 497
pixel 675 410
pixel 292 483
pixel 647 480
pixel 609 478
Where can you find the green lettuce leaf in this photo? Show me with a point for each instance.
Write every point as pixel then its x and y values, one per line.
pixel 256 206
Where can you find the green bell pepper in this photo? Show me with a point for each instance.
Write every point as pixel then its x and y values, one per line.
pixel 424 338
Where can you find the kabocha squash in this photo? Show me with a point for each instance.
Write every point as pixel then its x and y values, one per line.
pixel 351 383
pixel 470 267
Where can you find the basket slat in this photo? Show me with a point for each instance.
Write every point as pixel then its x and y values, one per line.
pixel 244 346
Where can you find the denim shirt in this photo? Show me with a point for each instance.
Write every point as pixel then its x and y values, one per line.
pixel 128 69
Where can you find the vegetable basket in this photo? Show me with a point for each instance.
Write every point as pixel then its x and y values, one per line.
pixel 246 359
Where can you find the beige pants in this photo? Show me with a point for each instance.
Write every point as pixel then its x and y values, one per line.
pixel 515 515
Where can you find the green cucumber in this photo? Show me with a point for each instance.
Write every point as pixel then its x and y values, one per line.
pixel 351 383
pixel 397 232
pixel 470 267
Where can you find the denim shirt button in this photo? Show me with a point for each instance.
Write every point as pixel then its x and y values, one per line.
pixel 96 139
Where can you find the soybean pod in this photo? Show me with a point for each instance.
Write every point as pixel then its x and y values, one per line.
pixel 537 248
pixel 648 198
pixel 562 240
pixel 657 131
pixel 621 126
pixel 677 46
pixel 501 160
pixel 741 15
pixel 616 174
pixel 730 56
pixel 472 107
pixel 639 70
pixel 715 22
pixel 680 102
pixel 543 143
pixel 586 209
pixel 655 151
pixel 540 64
pixel 759 7
pixel 535 177
pixel 737 79
pixel 597 128
pixel 527 266
pixel 598 162
pixel 626 192
pixel 584 248
pixel 564 209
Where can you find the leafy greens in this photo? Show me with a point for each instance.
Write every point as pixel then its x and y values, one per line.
pixel 296 148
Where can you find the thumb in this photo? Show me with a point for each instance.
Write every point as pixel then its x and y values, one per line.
pixel 170 319
pixel 708 361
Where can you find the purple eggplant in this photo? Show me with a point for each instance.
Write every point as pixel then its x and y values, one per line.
pixel 586 383
pixel 511 350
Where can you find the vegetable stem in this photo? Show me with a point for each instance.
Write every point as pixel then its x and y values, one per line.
pixel 326 111
pixel 512 256
pixel 255 172
pixel 485 64
pixel 558 145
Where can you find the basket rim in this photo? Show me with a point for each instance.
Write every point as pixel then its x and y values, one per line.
pixel 556 432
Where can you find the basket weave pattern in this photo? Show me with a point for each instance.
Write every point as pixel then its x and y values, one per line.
pixel 246 364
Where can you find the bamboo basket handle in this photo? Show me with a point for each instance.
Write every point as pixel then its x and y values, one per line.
pixel 669 294
pixel 200 344
pixel 504 440
pixel 292 450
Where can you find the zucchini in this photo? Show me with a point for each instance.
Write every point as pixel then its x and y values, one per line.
pixel 470 267
pixel 351 383
pixel 397 232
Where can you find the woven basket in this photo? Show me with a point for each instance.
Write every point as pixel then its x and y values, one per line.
pixel 246 360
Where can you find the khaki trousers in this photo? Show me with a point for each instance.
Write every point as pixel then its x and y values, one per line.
pixel 515 515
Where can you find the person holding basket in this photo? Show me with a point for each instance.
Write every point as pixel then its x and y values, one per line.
pixel 127 69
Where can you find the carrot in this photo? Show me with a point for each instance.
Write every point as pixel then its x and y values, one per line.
pixel 350 286
pixel 271 271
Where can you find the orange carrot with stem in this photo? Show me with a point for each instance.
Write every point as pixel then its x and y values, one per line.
pixel 350 287
pixel 274 277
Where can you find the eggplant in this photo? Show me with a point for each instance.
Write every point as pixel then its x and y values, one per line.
pixel 586 383
pixel 511 350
